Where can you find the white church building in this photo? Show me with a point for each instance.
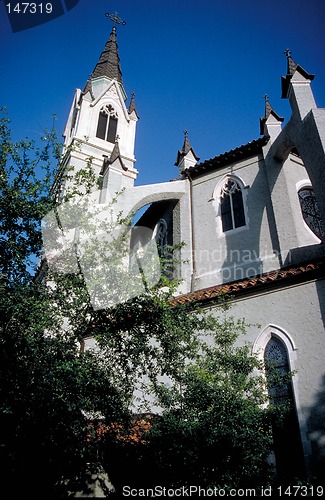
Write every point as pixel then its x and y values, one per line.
pixel 252 223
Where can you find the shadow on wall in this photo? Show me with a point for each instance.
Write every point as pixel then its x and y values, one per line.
pixel 316 434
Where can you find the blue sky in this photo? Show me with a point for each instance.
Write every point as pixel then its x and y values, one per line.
pixel 202 66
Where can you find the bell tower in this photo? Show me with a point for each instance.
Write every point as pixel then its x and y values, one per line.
pixel 100 123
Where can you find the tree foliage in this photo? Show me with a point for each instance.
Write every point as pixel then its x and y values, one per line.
pixel 214 430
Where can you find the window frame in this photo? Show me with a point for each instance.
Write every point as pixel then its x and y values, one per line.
pixel 306 186
pixel 108 118
pixel 216 198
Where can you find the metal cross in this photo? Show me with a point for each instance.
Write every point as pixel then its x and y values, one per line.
pixel 185 133
pixel 115 18
pixel 265 97
pixel 287 52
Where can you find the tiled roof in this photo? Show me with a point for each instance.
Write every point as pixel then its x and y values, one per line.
pixel 245 151
pixel 302 272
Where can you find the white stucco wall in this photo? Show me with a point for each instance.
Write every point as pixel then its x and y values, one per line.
pixel 297 314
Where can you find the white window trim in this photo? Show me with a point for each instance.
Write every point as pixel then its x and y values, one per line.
pixel 217 205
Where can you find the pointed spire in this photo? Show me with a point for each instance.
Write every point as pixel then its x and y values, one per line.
pixel 88 87
pixel 115 155
pixel 132 106
pixel 268 107
pixel 292 67
pixel 186 145
pixel 186 149
pixel 116 151
pixel 267 113
pixel 109 61
pixel 291 64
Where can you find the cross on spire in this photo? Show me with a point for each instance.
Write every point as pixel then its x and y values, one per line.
pixel 287 52
pixel 265 97
pixel 115 18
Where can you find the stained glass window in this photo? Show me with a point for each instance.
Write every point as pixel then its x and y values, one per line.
pixel 310 211
pixel 277 370
pixel 232 206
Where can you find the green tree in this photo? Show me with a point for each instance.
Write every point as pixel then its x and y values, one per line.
pixel 214 429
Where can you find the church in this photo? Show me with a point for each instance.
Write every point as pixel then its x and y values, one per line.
pixel 251 224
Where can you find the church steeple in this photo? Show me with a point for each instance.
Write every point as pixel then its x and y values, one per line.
pixel 100 120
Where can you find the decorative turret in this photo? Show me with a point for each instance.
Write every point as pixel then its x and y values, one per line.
pixel 296 87
pixel 186 156
pixel 132 108
pixel 270 124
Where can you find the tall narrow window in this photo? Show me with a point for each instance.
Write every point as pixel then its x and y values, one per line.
pixel 232 206
pixel 161 238
pixel 102 125
pixel 111 131
pixel 310 211
pixel 107 124
pixel 166 256
pixel 286 436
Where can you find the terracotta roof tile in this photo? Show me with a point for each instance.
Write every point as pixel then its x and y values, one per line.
pixel 245 151
pixel 309 270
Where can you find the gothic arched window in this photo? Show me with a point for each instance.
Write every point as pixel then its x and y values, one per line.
pixel 310 211
pixel 277 370
pixel 107 124
pixel 232 206
pixel 286 436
